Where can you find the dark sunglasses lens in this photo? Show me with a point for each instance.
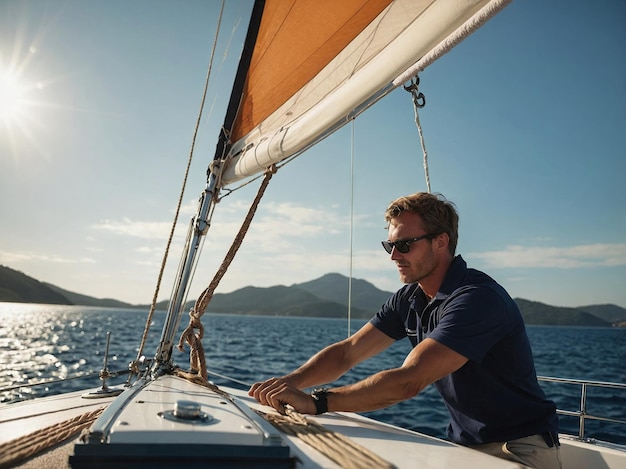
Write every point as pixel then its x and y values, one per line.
pixel 402 246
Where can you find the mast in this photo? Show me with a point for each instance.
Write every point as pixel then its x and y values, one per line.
pixel 199 224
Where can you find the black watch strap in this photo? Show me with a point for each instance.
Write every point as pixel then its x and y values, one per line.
pixel 320 397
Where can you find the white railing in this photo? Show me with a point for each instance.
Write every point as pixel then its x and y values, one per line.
pixel 582 413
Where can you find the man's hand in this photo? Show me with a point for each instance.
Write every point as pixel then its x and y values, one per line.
pixel 278 392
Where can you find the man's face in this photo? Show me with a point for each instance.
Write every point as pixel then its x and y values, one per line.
pixel 420 261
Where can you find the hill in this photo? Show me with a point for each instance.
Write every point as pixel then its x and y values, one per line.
pixel 334 287
pixel 20 288
pixel 611 313
pixel 280 301
pixel 84 300
pixel 538 313
pixel 326 296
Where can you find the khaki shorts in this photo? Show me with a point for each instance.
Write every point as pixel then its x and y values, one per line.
pixel 531 451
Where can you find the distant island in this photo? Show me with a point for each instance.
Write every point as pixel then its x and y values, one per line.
pixel 322 297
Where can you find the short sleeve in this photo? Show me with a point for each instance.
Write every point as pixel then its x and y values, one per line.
pixel 472 320
pixel 391 316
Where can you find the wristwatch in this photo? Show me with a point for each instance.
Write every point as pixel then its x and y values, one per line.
pixel 320 397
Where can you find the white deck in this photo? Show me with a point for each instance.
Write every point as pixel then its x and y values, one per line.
pixel 22 418
pixel 142 421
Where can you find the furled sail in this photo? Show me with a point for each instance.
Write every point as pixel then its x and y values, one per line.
pixel 309 67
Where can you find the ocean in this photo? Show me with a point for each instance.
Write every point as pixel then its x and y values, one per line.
pixel 50 342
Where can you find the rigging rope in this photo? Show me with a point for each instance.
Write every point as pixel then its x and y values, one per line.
pixel 196 354
pixel 180 198
pixel 29 445
pixel 419 101
pixel 351 257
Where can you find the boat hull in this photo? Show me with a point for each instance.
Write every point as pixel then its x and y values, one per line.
pixel 135 426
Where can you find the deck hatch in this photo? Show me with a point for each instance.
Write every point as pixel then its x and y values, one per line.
pixel 162 456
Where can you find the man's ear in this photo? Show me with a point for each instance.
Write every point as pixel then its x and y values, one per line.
pixel 442 241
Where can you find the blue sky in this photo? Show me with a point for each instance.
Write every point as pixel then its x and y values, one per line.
pixel 524 124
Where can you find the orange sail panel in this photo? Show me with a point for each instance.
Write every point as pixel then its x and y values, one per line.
pixel 295 42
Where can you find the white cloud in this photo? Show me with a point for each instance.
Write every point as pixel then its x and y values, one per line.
pixel 272 226
pixel 135 229
pixel 11 258
pixel 585 255
pixel 278 227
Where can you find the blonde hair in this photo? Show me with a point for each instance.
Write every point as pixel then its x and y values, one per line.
pixel 438 214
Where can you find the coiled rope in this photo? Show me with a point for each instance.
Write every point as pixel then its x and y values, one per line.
pixel 34 443
pixel 333 445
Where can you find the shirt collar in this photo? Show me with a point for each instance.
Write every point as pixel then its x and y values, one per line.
pixel 454 277
pixel 452 281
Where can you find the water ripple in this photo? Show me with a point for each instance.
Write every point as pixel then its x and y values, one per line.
pixel 43 342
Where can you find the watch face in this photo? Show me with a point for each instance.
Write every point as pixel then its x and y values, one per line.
pixel 320 397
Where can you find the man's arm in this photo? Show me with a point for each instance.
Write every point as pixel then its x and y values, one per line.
pixel 328 364
pixel 426 363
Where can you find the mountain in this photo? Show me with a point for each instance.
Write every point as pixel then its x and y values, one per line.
pixel 281 301
pixel 20 288
pixel 334 287
pixel 84 300
pixel 534 312
pixel 326 296
pixel 611 313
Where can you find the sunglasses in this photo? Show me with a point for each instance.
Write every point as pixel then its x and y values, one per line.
pixel 403 245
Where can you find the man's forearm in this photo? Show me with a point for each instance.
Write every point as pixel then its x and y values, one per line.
pixel 378 391
pixel 324 367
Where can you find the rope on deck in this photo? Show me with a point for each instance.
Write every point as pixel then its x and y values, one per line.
pixel 36 442
pixel 336 447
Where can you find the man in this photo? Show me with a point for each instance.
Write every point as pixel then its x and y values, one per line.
pixel 468 339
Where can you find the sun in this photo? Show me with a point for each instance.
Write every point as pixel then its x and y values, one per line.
pixel 20 116
pixel 24 104
pixel 13 98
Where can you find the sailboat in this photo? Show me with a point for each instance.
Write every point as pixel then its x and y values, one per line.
pixel 283 102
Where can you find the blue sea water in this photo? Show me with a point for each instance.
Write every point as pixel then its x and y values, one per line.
pixel 47 342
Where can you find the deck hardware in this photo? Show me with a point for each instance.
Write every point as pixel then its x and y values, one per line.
pixel 187 412
pixel 104 391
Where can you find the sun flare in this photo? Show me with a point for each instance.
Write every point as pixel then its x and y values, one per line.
pixel 13 98
pixel 21 105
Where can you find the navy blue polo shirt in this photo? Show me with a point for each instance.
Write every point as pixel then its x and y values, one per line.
pixel 495 396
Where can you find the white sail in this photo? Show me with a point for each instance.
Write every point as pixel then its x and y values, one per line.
pixel 365 68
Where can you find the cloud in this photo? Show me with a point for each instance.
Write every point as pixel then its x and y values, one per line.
pixel 135 229
pixel 273 225
pixel 277 227
pixel 572 257
pixel 274 243
pixel 11 258
pixel 272 221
